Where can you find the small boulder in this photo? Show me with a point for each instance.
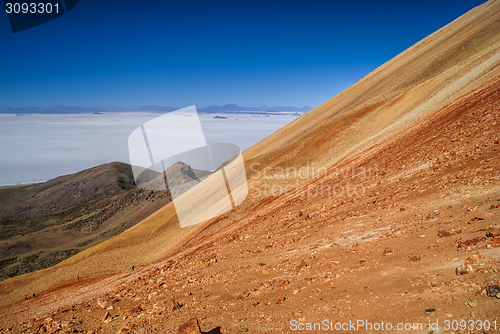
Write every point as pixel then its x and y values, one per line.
pixel 190 327
pixel 280 300
pixel 493 232
pixel 388 251
pixel 473 259
pixel 493 290
pixel 173 305
pixel 135 311
pixel 445 233
pixel 472 302
pixel 464 269
pixel 483 215
pixel 414 258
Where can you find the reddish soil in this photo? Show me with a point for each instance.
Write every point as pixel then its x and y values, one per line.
pixel 387 255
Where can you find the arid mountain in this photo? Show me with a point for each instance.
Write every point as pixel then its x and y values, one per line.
pixel 179 178
pixel 382 204
pixel 43 224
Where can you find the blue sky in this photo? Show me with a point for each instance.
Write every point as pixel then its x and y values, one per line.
pixel 180 53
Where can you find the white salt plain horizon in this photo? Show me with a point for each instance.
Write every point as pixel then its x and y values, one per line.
pixel 37 148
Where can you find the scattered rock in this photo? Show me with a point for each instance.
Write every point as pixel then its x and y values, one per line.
pixel 127 328
pixel 173 305
pixel 281 283
pixel 472 302
pixel 494 243
pixel 135 311
pixel 464 269
pixel 106 316
pixel 280 300
pixel 388 251
pixel 302 264
pixel 473 259
pixel 483 215
pixel 493 290
pixel 453 231
pixel 189 327
pixel 465 244
pixel 414 258
pixel 492 232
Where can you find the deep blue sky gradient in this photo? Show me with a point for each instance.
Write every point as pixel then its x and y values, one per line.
pixel 179 53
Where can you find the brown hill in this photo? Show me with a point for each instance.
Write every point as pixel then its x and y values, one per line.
pixel 179 178
pixel 43 224
pixel 338 243
pixel 46 223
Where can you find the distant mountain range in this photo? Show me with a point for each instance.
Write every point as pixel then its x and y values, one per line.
pixel 210 109
pixel 234 107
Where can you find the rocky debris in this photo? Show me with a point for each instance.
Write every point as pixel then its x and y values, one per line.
pixel 493 290
pixel 464 269
pixel 189 327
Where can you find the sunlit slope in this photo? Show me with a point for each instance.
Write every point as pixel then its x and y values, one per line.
pixel 435 71
pixel 431 73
